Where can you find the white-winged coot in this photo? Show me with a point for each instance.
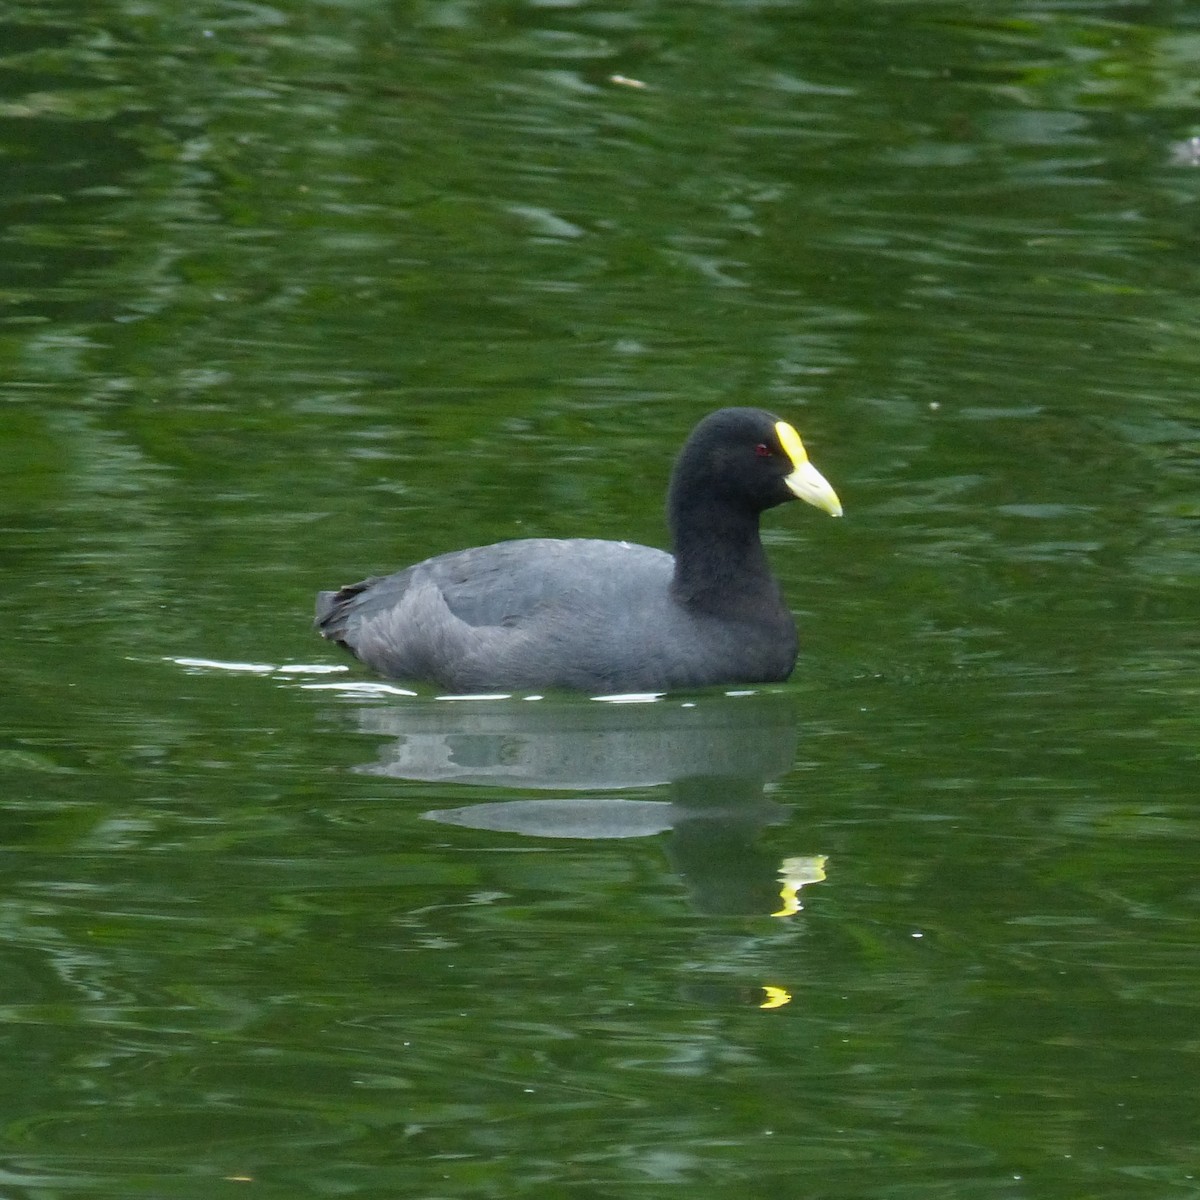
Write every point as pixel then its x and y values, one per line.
pixel 600 616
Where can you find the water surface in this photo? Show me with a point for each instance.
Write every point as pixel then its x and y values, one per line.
pixel 290 294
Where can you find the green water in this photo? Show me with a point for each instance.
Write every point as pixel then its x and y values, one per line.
pixel 291 294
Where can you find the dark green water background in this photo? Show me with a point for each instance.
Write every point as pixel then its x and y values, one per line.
pixel 291 293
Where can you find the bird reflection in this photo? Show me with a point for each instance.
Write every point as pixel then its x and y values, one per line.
pixel 714 757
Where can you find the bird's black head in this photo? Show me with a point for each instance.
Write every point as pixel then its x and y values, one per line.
pixel 749 460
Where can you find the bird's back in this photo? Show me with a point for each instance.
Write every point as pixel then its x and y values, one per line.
pixel 533 612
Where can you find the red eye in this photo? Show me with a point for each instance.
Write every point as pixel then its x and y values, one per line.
pixel 762 450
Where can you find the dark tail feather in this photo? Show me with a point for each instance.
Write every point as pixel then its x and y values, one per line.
pixel 334 607
pixel 325 603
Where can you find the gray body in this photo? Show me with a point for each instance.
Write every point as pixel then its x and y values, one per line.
pixel 575 613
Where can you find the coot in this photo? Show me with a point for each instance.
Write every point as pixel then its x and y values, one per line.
pixel 600 616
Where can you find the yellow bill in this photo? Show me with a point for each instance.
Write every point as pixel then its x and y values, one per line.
pixel 806 482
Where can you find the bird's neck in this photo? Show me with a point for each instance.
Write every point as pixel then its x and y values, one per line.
pixel 720 564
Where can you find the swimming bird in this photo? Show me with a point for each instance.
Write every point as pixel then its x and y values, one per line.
pixel 603 616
